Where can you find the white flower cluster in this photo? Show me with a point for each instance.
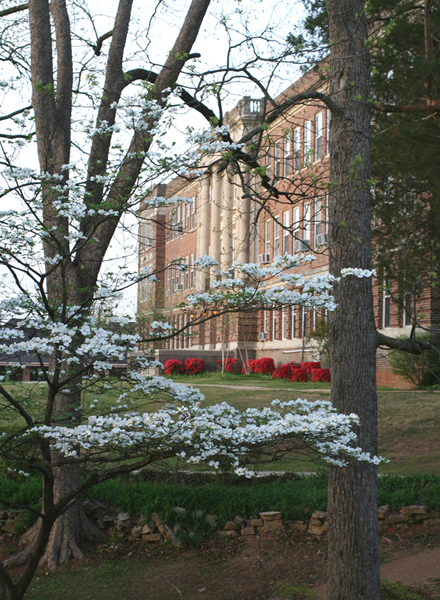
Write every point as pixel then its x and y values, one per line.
pixel 358 272
pixel 215 434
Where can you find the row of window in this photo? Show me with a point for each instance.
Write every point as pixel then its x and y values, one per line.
pixel 182 219
pixel 178 280
pixel 299 146
pixel 305 231
pixel 183 340
pixel 289 323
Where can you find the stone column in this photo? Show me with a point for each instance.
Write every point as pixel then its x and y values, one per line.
pixel 227 222
pixel 204 210
pixel 243 225
pixel 216 206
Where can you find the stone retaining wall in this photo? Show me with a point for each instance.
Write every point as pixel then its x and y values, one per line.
pixel 155 530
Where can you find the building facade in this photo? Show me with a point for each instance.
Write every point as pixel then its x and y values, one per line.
pixel 231 217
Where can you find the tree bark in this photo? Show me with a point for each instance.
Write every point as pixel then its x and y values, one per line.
pixel 352 503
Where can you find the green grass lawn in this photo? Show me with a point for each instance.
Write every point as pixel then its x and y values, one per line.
pixel 409 421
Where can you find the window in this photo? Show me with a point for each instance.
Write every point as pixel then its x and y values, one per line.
pixel 318 136
pixel 296 224
pixel 327 141
pixel 170 228
pixel 306 222
pixel 317 220
pixel 191 271
pixel 188 217
pixel 278 164
pixel 268 161
pixel 386 316
pixel 196 206
pixel 304 322
pixel 265 321
pixel 267 225
pixel 283 323
pixel 297 149
pixel 293 323
pixel 276 237
pixel 186 274
pixel 286 233
pixel 274 324
pixel 407 313
pixel 287 154
pixel 307 140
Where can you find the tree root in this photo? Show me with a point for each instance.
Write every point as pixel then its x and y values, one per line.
pixel 70 531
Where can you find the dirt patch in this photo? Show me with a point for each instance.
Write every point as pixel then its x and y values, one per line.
pixel 240 569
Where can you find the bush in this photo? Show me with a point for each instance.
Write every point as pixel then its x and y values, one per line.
pixel 194 366
pixel 173 366
pixel 310 365
pixel 265 365
pixel 397 591
pixel 320 375
pixel 230 365
pixel 299 375
pixel 252 364
pixel 419 369
pixel 285 371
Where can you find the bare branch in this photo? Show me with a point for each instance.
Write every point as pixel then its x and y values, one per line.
pixel 410 346
pixel 13 9
pixel 97 47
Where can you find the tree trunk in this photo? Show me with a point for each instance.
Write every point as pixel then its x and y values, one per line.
pixel 352 503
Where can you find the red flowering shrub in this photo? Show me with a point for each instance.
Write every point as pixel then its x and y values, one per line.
pixel 265 365
pixel 311 365
pixel 252 364
pixel 299 375
pixel 231 365
pixel 285 371
pixel 194 366
pixel 172 365
pixel 321 375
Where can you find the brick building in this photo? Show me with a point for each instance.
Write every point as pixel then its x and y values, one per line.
pixel 214 215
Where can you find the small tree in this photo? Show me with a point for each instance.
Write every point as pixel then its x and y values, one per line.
pixel 419 369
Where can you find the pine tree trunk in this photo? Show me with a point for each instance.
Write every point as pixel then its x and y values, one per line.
pixel 352 503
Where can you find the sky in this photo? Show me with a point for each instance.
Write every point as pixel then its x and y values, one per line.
pixel 153 29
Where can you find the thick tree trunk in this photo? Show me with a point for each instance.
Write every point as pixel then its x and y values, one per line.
pixel 353 531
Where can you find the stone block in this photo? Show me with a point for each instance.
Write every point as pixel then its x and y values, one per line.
pixel 255 522
pixel 146 529
pixel 431 515
pixel 383 511
pixel 394 519
pixel 136 532
pixel 414 509
pixel 298 525
pixel 179 509
pixel 273 526
pixel 123 516
pixel 317 529
pixel 230 526
pixel 229 533
pixel 240 521
pixel 270 515
pixel 211 520
pixel 248 530
pixel 152 537
pixel 319 515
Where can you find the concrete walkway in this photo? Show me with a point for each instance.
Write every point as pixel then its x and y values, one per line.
pixel 410 570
